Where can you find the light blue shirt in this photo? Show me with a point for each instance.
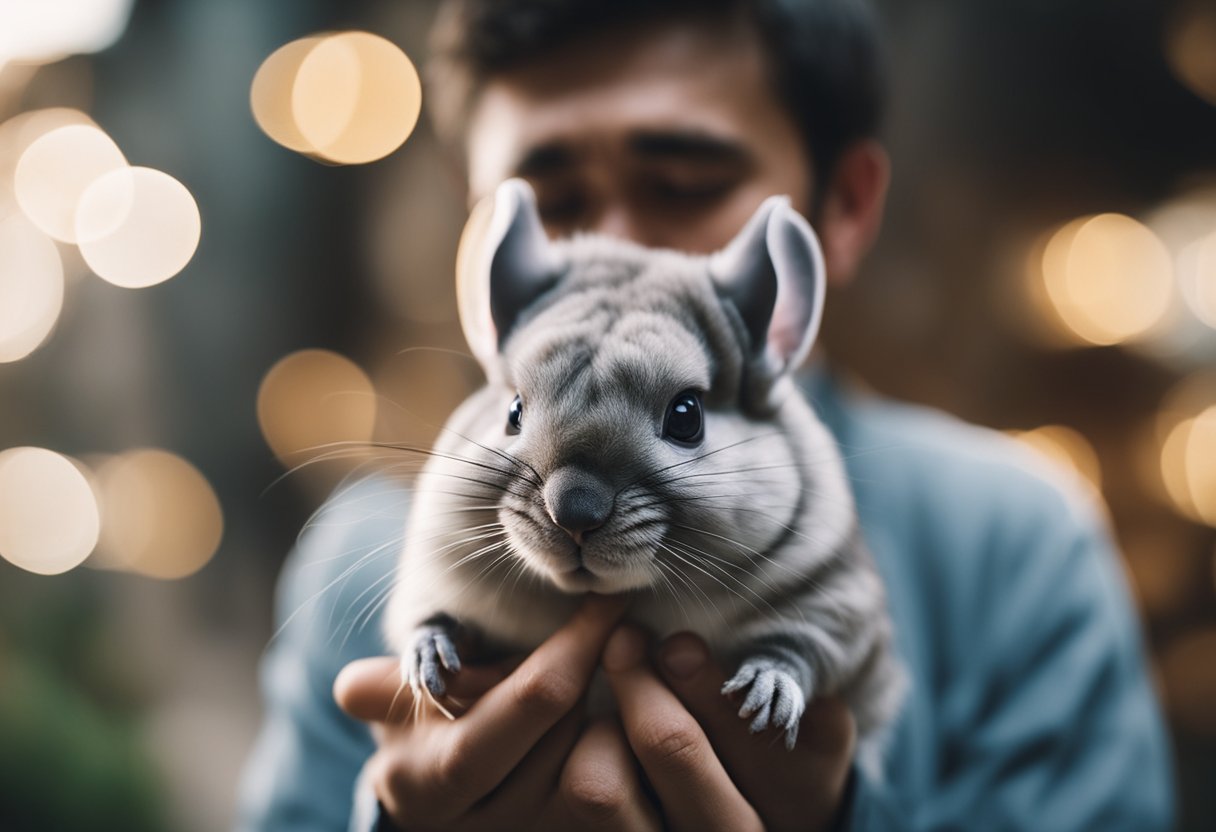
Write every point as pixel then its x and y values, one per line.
pixel 1030 706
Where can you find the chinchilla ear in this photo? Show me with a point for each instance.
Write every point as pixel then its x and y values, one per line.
pixel 772 273
pixel 505 263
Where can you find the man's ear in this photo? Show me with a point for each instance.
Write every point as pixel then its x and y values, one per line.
pixel 772 273
pixel 851 210
pixel 504 263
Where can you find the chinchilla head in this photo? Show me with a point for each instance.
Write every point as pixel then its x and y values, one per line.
pixel 640 395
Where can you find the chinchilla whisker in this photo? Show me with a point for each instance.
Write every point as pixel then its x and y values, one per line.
pixel 741 546
pixel 664 575
pixel 688 561
pixel 345 574
pixel 645 477
pixel 514 460
pixel 743 570
pixel 735 580
pixel 516 464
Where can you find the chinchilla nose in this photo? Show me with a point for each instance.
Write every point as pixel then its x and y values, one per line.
pixel 578 501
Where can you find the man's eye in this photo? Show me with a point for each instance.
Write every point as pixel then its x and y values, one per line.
pixel 562 210
pixel 691 190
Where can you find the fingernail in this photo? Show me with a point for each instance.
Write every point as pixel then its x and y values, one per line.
pixel 684 659
pixel 626 649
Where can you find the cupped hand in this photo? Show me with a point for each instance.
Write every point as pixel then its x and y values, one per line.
pixel 519 755
pixel 707 769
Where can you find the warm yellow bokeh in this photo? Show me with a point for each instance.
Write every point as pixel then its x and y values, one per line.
pixel 1197 277
pixel 156 238
pixel 49 520
pixel 345 98
pixel 1108 278
pixel 31 287
pixel 160 516
pixel 270 96
pixel 1201 465
pixel 18 133
pixel 1186 435
pixel 1067 448
pixel 471 278
pixel 57 169
pixel 312 403
pixel 1191 48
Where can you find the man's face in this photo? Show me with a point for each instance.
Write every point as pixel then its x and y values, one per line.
pixel 670 136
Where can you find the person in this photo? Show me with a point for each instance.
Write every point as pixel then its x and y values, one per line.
pixel 667 122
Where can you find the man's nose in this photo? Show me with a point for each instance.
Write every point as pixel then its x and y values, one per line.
pixel 616 220
pixel 578 501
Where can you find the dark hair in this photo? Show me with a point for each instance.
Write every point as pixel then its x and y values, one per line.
pixel 825 56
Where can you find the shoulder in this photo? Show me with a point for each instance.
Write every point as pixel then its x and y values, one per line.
pixel 934 476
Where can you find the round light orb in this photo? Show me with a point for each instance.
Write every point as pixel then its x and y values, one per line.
pixel 270 95
pixel 55 172
pixel 18 133
pixel 49 520
pixel 1201 465
pixel 313 403
pixel 1197 277
pixel 160 516
pixel 31 288
pixel 356 98
pixel 1109 278
pixel 156 238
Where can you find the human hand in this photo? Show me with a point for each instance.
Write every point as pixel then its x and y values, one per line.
pixel 520 757
pixel 708 770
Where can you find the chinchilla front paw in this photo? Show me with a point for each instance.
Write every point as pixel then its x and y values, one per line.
pixel 431 645
pixel 773 699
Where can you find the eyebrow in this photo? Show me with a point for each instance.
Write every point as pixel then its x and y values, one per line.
pixel 651 145
pixel 688 145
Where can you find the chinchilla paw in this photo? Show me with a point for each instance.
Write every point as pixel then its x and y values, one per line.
pixel 432 646
pixel 772 697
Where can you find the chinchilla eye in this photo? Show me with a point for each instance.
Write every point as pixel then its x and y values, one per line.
pixel 515 416
pixel 684 420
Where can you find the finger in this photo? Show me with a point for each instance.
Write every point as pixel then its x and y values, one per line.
pixel 600 788
pixel 693 787
pixel 764 771
pixel 372 690
pixel 502 726
pixel 528 789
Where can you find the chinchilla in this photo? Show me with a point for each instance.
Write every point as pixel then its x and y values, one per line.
pixel 640 433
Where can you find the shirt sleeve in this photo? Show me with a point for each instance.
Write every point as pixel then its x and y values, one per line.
pixel 301 775
pixel 1048 720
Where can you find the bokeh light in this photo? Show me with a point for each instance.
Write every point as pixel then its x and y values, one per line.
pixel 154 240
pixel 313 400
pixel 31 287
pixel 1067 448
pixel 49 520
pixel 160 516
pixel 270 95
pixel 17 134
pixel 58 168
pixel 470 275
pixel 1200 454
pixel 1186 433
pixel 47 30
pixel 1108 278
pixel 1197 278
pixel 1191 48
pixel 346 98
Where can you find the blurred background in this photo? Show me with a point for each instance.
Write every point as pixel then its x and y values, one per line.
pixel 194 289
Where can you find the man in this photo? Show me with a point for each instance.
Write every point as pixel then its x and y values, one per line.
pixel 668 123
